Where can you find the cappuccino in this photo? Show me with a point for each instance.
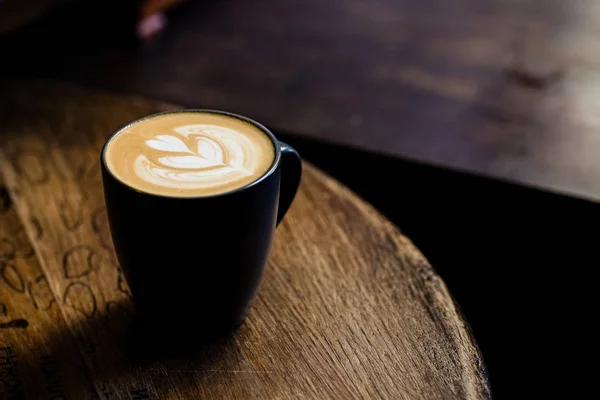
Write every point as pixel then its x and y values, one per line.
pixel 189 154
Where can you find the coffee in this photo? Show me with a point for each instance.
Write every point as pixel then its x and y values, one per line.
pixel 189 154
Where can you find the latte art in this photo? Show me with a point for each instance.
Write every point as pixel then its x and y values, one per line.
pixel 219 154
pixel 210 155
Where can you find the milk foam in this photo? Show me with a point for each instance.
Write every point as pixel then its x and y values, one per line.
pixel 198 158
pixel 216 155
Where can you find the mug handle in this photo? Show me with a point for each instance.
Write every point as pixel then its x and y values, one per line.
pixel 291 172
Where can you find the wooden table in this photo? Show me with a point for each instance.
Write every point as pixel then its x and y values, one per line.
pixel 500 88
pixel 348 307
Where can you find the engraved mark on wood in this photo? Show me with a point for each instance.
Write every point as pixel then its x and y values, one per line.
pixel 10 381
pixel 23 245
pixel 71 214
pixel 7 249
pixel 5 201
pixel 112 307
pixel 53 380
pixel 80 297
pixel 3 310
pixel 41 294
pixel 11 275
pixel 31 167
pixel 101 227
pixel 122 283
pixel 79 261
pixel 89 172
pixel 80 173
pixel 16 323
pixel 60 172
pixel 38 232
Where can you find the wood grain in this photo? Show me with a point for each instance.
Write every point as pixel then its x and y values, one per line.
pixel 348 307
pixel 33 363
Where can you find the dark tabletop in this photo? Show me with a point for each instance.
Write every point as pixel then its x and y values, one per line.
pixel 499 88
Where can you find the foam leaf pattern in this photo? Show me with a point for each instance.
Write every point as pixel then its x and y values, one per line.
pixel 189 162
pixel 169 143
pixel 210 150
pixel 213 156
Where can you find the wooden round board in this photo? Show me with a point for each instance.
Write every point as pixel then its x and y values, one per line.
pixel 348 307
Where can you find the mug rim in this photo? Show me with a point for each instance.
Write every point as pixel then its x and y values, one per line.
pixel 261 127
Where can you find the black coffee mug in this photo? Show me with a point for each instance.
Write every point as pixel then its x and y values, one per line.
pixel 194 263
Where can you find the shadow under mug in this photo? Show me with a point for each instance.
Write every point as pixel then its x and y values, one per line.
pixel 194 264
